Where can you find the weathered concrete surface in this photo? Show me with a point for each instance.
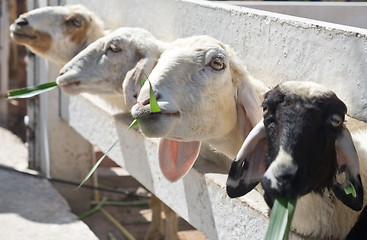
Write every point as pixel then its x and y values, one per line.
pixel 30 208
pixel 346 13
pixel 275 47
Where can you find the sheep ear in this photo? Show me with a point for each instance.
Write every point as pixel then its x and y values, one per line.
pixel 176 158
pixel 249 165
pixel 348 163
pixel 248 106
pixel 132 83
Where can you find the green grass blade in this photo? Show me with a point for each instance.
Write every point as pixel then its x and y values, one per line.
pixel 111 236
pixel 31 91
pixel 350 189
pixel 154 108
pixel 100 160
pixel 93 210
pixel 291 208
pixel 281 219
pixel 142 82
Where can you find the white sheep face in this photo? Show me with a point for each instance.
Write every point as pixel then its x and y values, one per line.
pixel 125 54
pixel 193 84
pixel 205 95
pixel 56 33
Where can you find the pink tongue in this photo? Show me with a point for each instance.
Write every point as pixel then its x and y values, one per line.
pixel 176 158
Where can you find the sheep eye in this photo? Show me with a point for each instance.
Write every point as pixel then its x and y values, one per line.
pixel 114 47
pixel 75 21
pixel 336 120
pixel 217 64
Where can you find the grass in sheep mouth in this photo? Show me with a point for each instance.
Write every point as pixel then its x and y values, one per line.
pixel 281 218
pixel 282 215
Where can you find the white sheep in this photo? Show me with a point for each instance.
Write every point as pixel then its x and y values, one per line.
pixel 113 65
pixel 57 33
pixel 205 95
pixel 307 146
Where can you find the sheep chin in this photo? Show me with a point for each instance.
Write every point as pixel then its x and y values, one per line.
pixel 156 124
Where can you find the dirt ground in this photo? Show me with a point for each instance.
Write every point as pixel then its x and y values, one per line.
pixel 135 219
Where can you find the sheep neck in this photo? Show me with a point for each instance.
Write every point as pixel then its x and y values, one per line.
pixel 228 144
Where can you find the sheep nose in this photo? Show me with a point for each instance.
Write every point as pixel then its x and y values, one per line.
pixel 284 178
pixel 21 21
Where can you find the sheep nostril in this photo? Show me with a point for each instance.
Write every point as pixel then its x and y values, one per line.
pixel 157 96
pixel 145 102
pixel 146 99
pixel 62 72
pixel 22 21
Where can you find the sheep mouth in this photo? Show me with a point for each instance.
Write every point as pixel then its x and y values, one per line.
pixel 148 114
pixel 143 112
pixel 69 83
pixel 170 114
pixel 294 189
pixel 21 34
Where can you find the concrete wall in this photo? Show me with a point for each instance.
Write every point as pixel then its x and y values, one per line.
pixel 274 47
pixel 345 13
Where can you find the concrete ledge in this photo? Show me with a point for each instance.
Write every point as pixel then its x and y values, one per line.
pixel 199 197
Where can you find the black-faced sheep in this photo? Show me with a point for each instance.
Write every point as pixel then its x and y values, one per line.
pixel 308 149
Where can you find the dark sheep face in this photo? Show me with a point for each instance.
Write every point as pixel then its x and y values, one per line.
pixel 300 146
pixel 301 133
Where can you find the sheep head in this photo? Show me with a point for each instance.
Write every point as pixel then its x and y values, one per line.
pixel 306 143
pixel 201 90
pixel 114 64
pixel 57 33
